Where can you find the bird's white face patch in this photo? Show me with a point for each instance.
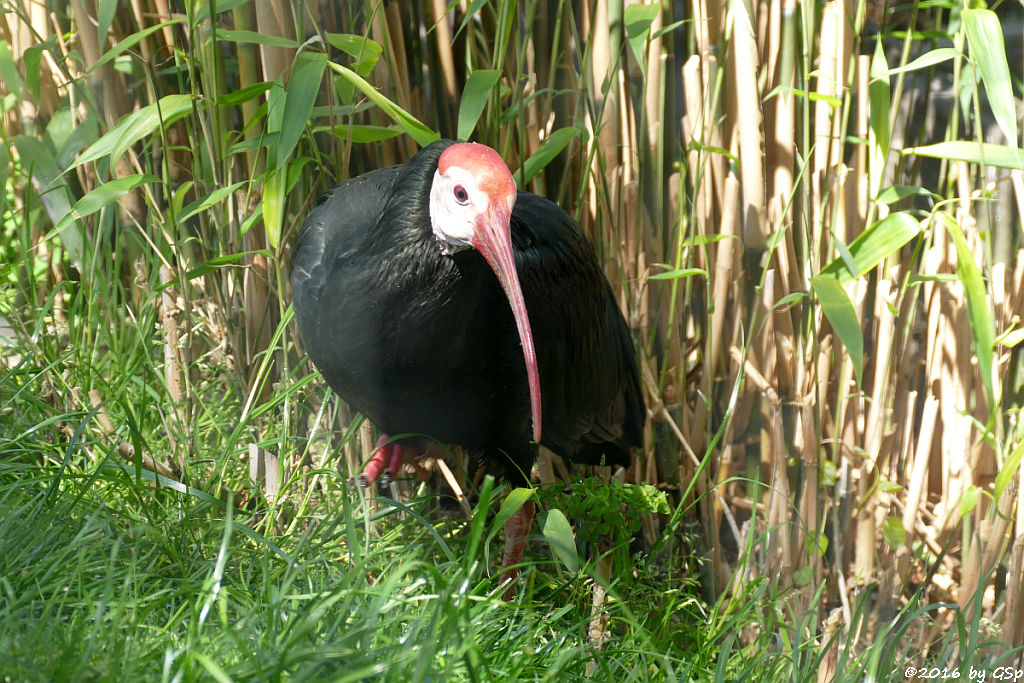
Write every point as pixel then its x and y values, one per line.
pixel 455 204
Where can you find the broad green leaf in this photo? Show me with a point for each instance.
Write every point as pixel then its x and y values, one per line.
pixel 638 20
pixel 303 87
pixel 894 533
pixel 1009 468
pixel 32 61
pixel 209 200
pixel 366 133
pixel 5 165
pixel 130 42
pixel 930 58
pixel 513 501
pixel 366 52
pixel 237 97
pixel 878 131
pixel 677 274
pixel 895 193
pixel 419 132
pixel 978 312
pixel 273 204
pixel 874 244
pixel 815 544
pixel 38 160
pixel 836 306
pixel 135 126
pixel 253 37
pixel 969 500
pixel 9 70
pixel 547 151
pixel 559 536
pixel 104 17
pixel 985 37
pixel 102 196
pixel 474 99
pixel 986 153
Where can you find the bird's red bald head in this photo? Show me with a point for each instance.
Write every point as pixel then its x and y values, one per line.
pixel 487 167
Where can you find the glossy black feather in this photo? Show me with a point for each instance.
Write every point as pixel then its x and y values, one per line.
pixel 425 343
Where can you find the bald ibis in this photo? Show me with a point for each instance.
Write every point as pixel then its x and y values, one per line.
pixel 437 300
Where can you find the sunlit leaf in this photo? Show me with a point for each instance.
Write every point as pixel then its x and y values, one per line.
pixel 836 306
pixel 988 51
pixel 419 132
pixel 874 244
pixel 893 532
pixel 366 52
pixel 1009 469
pixel 878 130
pixel 930 58
pixel 253 37
pixel 559 536
pixel 303 87
pixel 103 195
pixel 135 126
pixel 987 153
pixel 638 20
pixel 474 99
pixel 979 314
pixel 677 274
pixel 547 151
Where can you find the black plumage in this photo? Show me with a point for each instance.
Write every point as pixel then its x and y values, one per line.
pixel 425 343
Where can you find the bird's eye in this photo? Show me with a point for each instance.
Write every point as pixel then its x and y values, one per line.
pixel 461 196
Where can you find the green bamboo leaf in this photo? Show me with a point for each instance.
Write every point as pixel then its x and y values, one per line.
pixel 638 20
pixel 873 245
pixel 878 131
pixel 894 533
pixel 135 126
pixel 274 191
pixel 419 132
pixel 253 37
pixel 559 536
pixel 9 70
pixel 366 133
pixel 303 87
pixel 548 150
pixel 677 274
pixel 988 51
pixel 895 193
pixel 131 41
pixel 38 160
pixel 474 99
pixel 513 501
pixel 987 153
pixel 104 17
pixel 836 306
pixel 209 200
pixel 969 500
pixel 242 95
pixel 102 196
pixel 32 61
pixel 978 312
pixel 1009 468
pixel 366 52
pixel 930 58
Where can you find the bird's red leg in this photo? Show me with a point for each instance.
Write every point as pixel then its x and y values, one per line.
pixel 517 529
pixel 385 453
pixel 388 460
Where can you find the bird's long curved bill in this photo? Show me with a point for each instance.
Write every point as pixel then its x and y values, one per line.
pixel 494 242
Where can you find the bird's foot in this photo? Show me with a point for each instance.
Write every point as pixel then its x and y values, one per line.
pixel 388 460
pixel 517 530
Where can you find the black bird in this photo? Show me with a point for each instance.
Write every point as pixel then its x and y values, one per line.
pixel 437 300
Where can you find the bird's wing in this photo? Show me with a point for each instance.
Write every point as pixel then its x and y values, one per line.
pixel 342 219
pixel 591 399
